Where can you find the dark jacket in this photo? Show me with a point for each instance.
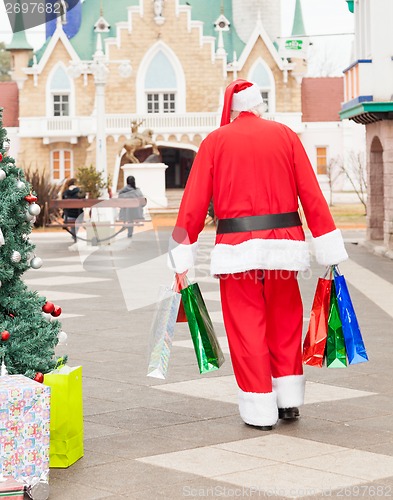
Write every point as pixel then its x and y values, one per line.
pixel 134 213
pixel 74 193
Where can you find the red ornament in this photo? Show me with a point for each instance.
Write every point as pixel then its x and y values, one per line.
pixel 39 377
pixel 31 198
pixel 56 311
pixel 48 307
pixel 1 157
pixel 5 335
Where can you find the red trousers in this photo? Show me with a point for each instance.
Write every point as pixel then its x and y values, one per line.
pixel 263 317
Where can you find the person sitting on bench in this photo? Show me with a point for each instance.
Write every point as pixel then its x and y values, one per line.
pixel 135 213
pixel 72 191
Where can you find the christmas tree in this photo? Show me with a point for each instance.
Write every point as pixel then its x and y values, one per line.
pixel 28 328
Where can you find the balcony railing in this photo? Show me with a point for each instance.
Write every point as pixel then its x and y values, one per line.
pixel 66 128
pixel 165 123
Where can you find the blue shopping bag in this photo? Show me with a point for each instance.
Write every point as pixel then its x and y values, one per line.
pixel 354 344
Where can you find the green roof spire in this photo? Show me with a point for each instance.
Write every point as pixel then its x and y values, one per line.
pixel 19 40
pixel 298 24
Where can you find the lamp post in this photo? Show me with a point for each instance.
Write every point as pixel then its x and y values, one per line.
pixel 99 68
pixel 100 72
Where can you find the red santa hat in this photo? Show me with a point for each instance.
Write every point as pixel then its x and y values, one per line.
pixel 240 95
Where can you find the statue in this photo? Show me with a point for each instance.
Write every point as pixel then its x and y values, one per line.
pixel 158 4
pixel 138 141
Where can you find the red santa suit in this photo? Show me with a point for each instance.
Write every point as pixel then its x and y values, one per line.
pixel 252 167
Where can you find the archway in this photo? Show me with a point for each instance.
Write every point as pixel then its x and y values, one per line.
pixel 179 163
pixel 178 160
pixel 375 198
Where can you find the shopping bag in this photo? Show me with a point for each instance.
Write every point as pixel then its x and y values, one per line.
pixel 314 344
pixel 181 315
pixel 66 416
pixel 162 332
pixel 179 284
pixel 354 345
pixel 335 347
pixel 206 346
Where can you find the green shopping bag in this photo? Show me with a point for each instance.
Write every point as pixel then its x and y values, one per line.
pixel 66 416
pixel 207 348
pixel 336 355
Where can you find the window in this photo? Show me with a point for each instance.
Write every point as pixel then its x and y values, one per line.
pixel 262 77
pixel 321 160
pixel 59 96
pixel 61 161
pixel 161 102
pixel 160 85
pixel 61 105
pixel 265 97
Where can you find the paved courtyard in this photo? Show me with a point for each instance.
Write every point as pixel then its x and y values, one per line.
pixel 182 437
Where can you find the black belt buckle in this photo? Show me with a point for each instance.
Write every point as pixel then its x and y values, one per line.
pixel 258 222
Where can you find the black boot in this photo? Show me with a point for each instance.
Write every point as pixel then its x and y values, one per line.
pixel 288 413
pixel 261 427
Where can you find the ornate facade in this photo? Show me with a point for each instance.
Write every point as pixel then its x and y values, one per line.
pixel 182 55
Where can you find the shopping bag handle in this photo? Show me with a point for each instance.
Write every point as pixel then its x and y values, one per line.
pixel 336 270
pixel 332 270
pixel 328 271
pixel 180 281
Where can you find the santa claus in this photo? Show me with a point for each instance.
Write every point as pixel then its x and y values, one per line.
pixel 256 170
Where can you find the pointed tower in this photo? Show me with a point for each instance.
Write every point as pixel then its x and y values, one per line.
pixel 221 24
pixel 298 24
pixel 301 43
pixel 21 51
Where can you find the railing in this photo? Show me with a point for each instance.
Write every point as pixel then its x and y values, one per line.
pixel 166 122
pixel 359 79
pixel 65 127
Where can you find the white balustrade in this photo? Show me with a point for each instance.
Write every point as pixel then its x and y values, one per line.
pixel 167 123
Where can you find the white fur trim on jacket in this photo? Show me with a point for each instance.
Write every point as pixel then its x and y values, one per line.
pixel 181 257
pixel 246 99
pixel 290 390
pixel 290 255
pixel 329 248
pixel 258 408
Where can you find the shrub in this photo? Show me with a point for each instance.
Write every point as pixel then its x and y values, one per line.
pixel 45 190
pixel 91 181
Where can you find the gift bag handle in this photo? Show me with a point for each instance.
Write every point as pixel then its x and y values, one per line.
pixel 329 271
pixel 180 281
pixel 336 270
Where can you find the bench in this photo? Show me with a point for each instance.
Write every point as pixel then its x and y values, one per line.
pixel 59 204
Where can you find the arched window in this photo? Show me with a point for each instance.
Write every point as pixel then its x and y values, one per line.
pixel 262 76
pixel 61 164
pixel 160 82
pixel 160 85
pixel 60 93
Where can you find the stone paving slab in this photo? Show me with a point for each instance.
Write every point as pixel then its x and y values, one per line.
pixel 135 431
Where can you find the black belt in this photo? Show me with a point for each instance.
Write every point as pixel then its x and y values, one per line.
pixel 258 222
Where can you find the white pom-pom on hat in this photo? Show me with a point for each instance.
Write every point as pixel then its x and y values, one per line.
pixel 246 99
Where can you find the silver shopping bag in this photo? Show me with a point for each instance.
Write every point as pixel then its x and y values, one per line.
pixel 162 332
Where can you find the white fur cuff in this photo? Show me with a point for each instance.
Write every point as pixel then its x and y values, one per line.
pixel 258 408
pixel 329 248
pixel 290 390
pixel 181 257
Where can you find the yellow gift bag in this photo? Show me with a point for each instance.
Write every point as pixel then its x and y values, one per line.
pixel 66 416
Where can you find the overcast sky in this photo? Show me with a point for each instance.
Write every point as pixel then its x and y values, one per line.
pixel 328 54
